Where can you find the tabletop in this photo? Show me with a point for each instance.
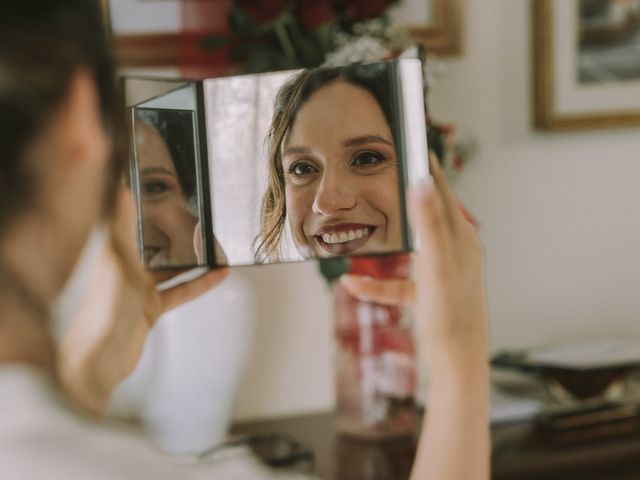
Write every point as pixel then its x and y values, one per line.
pixel 517 452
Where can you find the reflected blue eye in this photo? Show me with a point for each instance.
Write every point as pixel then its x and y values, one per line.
pixel 367 159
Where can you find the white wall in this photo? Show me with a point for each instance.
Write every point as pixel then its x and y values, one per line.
pixel 140 16
pixel 290 369
pixel 559 215
pixel 559 212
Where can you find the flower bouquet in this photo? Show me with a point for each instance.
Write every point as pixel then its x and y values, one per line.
pixel 268 35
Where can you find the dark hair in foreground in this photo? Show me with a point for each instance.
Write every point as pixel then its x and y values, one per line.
pixel 374 78
pixel 43 43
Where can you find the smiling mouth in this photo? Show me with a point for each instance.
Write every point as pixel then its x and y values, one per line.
pixel 150 253
pixel 343 241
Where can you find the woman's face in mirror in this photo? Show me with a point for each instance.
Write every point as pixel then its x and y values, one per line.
pixel 168 225
pixel 341 176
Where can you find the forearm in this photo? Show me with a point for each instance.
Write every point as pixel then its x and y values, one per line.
pixel 452 328
pixel 455 440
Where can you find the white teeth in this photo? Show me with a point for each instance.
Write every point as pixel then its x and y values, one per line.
pixel 344 237
pixel 331 238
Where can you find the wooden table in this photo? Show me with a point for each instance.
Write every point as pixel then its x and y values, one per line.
pixel 517 453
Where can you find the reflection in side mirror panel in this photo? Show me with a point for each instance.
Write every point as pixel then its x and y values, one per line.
pixel 167 172
pixel 166 160
pixel 292 166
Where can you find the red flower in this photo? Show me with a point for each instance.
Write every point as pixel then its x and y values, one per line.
pixel 364 9
pixel 262 11
pixel 448 130
pixel 313 13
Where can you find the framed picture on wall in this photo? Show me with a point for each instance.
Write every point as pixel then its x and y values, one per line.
pixel 586 63
pixel 437 24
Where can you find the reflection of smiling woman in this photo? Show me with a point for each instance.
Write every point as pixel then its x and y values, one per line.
pixel 333 173
pixel 167 187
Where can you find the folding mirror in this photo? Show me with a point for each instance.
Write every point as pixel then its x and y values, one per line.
pixel 276 167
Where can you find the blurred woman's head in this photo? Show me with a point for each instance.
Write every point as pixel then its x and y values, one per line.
pixel 58 114
pixel 333 177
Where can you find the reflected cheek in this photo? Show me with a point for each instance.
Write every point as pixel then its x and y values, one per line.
pixel 168 218
pixel 298 204
pixel 178 223
pixel 384 197
pixel 152 216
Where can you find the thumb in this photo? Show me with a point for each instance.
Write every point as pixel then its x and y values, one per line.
pixel 429 221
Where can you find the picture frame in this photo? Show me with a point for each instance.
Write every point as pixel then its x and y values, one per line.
pixel 444 33
pixel 562 98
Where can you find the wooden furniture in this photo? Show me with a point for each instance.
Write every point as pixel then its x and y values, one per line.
pixel 444 36
pixel 518 453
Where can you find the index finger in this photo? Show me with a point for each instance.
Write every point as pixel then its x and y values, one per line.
pixel 175 296
pixel 395 292
pixel 160 276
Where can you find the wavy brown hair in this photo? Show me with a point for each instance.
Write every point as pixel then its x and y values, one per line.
pixel 289 100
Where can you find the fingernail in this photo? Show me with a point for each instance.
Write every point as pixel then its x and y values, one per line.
pixel 423 188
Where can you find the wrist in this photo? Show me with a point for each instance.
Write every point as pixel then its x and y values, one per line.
pixel 458 374
pixel 460 362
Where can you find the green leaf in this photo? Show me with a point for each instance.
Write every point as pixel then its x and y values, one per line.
pixel 324 37
pixel 333 268
pixel 240 21
pixel 261 57
pixel 211 43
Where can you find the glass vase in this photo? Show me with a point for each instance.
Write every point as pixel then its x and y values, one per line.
pixel 375 358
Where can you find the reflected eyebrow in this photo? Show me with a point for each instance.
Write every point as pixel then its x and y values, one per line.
pixel 351 142
pixel 152 170
pixel 297 150
pixel 364 139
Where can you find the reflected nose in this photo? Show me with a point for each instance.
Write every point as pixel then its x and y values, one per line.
pixel 333 196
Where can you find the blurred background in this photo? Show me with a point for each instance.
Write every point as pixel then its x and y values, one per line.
pixel 557 206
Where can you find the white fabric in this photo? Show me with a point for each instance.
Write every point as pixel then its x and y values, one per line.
pixel 186 383
pixel 40 437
